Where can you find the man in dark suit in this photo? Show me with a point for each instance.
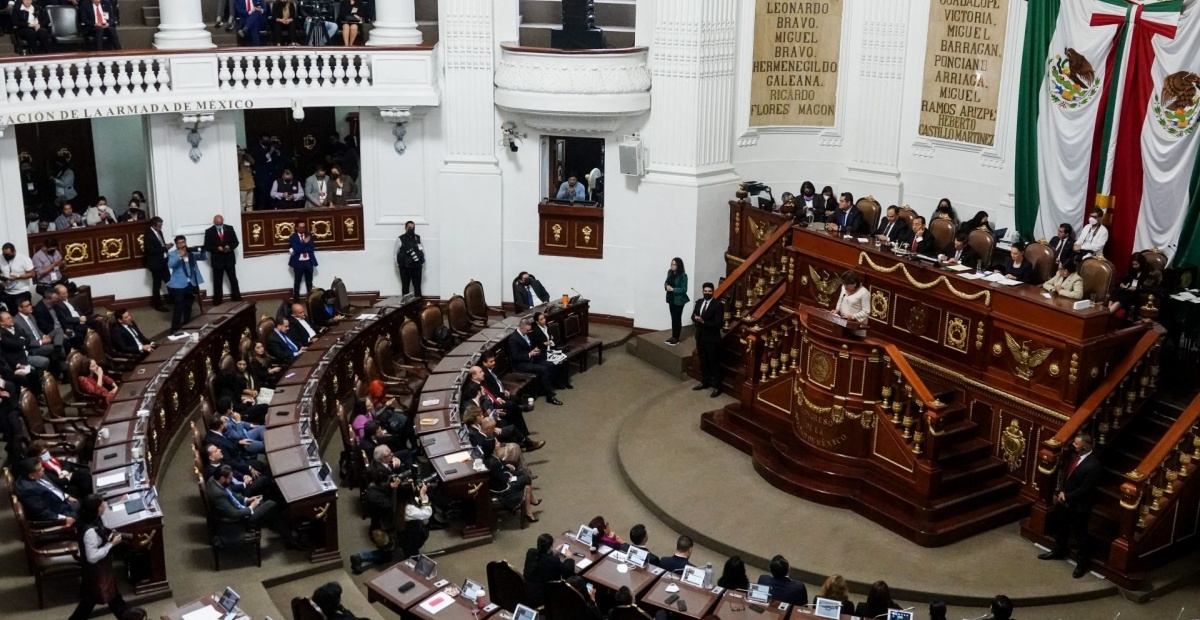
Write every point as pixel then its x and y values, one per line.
pixel 894 229
pixel 251 18
pixel 528 292
pixel 1063 244
pixel 682 557
pixel 32 24
pixel 1075 496
pixel 300 330
pixel 250 475
pixel 784 588
pixel 41 499
pixel 960 253
pixel 708 315
pixel 221 242
pixel 126 338
pixel 47 320
pixel 848 219
pixel 638 538
pixel 409 258
pixel 14 363
pixel 280 347
pixel 527 358
pixel 155 259
pixel 73 322
pixel 216 437
pixel 495 388
pixel 44 349
pixel 99 22
pixel 922 241
pixel 232 507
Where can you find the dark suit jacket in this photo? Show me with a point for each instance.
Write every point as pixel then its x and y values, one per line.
pixel 540 570
pixel 927 246
pixel 14 347
pixel 278 350
pixel 854 220
pixel 1080 486
pixel 87 14
pixel 866 611
pixel 1023 273
pixel 673 563
pixel 899 233
pixel 539 293
pixel 229 447
pixel 155 258
pixel 297 333
pixel 239 9
pixel 786 590
pixel 1068 252
pixel 492 385
pixel 124 343
pixel 40 503
pixel 42 315
pixel 713 317
pixel 20 18
pixel 969 257
pixel 277 12
pixel 518 350
pixel 538 338
pixel 221 259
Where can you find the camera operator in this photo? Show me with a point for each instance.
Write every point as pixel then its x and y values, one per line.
pixel 382 498
pixel 319 23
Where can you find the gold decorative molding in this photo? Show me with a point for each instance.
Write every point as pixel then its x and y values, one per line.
pixel 863 257
pixel 348 224
pixel 939 370
pixel 1054 369
pixel 256 233
pixel 761 231
pixel 587 234
pixel 879 304
pixel 956 333
pixel 825 287
pixel 1013 442
pixel 284 230
pixel 997 349
pixel 75 253
pixel 112 248
pixel 737 260
pixel 557 230
pixel 321 229
pixel 1026 361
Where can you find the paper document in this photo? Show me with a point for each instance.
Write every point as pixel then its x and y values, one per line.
pixel 581 564
pixel 437 602
pixel 958 268
pixel 264 396
pixel 973 276
pixel 108 480
pixel 458 457
pixel 204 613
pixel 429 402
pixel 179 336
pixel 366 316
pixel 1184 296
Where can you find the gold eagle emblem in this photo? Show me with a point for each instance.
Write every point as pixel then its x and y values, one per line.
pixel 761 231
pixel 825 287
pixel 1026 360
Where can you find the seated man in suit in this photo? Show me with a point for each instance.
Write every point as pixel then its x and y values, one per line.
pixel 893 230
pixel 247 435
pixel 216 437
pixel 960 253
pixel 231 507
pixel 47 344
pixel 784 588
pixel 848 219
pixel 250 475
pixel 126 338
pixel 32 24
pixel 527 358
pixel 528 292
pixel 300 330
pixel 495 385
pixel 251 18
pixel 99 22
pixel 509 432
pixel 922 241
pixel 638 538
pixel 48 323
pixel 14 364
pixel 1063 243
pixel 74 323
pixel 74 479
pixel 375 435
pixel 394 463
pixel 681 559
pixel 41 499
pixel 280 347
pixel 491 401
pixel 18 346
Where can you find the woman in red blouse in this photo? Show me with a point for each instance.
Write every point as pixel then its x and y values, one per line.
pixel 98 384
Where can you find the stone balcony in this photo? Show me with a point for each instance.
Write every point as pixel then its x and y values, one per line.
pixel 573 91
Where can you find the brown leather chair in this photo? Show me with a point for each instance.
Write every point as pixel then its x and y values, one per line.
pixel 119 361
pixel 244 348
pixel 414 347
pixel 1156 259
pixel 342 300
pixel 87 404
pixel 56 406
pixel 82 299
pixel 220 531
pixel 907 214
pixel 265 326
pixel 506 585
pixel 48 555
pixel 315 302
pixel 943 231
pixel 477 306
pixel 395 389
pixel 1041 257
pixel 69 433
pixel 405 374
pixel 1097 274
pixel 459 319
pixel 431 319
pixel 870 212
pixel 984 244
pixel 574 341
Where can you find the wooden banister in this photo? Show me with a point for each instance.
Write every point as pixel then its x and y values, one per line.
pixel 1167 443
pixel 919 387
pixel 725 286
pixel 768 303
pixel 1106 387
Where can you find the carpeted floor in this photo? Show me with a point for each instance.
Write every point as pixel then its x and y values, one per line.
pixel 610 411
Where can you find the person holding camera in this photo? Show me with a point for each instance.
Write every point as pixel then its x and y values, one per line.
pixel 410 256
pixel 184 282
pixel 382 498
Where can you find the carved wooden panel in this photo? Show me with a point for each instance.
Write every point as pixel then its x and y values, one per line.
pixel 565 230
pixel 267 232
pixel 97 249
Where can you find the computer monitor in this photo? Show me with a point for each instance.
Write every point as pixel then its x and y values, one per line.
pixel 524 613
pixel 229 599
pixel 426 567
pixel 584 535
pixel 900 614
pixel 827 608
pixel 760 594
pixel 471 590
pixel 636 556
pixel 694 575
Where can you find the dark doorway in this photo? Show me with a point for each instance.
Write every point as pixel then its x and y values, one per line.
pixel 41 146
pixel 304 143
pixel 578 157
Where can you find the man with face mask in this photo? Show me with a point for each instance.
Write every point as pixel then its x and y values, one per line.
pixel 708 316
pixel 16 271
pixel 1093 237
pixel 286 193
pixel 528 292
pixel 410 255
pixel 316 190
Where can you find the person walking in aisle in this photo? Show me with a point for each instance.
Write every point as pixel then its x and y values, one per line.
pixel 184 282
pixel 99 583
pixel 677 297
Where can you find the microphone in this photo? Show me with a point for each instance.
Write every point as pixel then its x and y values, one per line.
pixel 575 291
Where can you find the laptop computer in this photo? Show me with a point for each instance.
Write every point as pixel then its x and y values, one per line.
pixel 471 590
pixel 694 575
pixel 228 602
pixel 826 608
pixel 524 613
pixel 1001 233
pixel 584 535
pixel 900 614
pixel 636 556
pixel 426 567
pixel 139 504
pixel 760 594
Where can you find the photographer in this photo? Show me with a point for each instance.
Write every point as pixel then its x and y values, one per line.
pixel 380 501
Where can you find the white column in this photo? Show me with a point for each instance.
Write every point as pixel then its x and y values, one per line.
pixel 395 24
pixel 181 26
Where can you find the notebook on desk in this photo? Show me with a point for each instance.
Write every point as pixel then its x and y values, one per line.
pixel 264 396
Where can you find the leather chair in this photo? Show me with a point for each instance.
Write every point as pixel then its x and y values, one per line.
pixel 218 529
pixel 870 212
pixel 431 319
pixel 304 609
pixel 314 303
pixel 564 602
pixel 244 348
pixel 505 585
pixel 943 231
pixel 414 347
pixel 49 556
pixel 64 24
pixel 1156 259
pixel 342 298
pixel 69 434
pixel 394 376
pixel 56 405
pixel 265 326
pixel 477 307
pixel 349 445
pixel 574 343
pixel 404 397
pixel 119 361
pixel 1041 257
pixel 984 244
pixel 1097 274
pixel 907 214
pixel 386 356
pixel 628 612
pixel 459 319
pixel 86 404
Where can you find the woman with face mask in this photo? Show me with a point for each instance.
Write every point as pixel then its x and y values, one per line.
pixel 945 209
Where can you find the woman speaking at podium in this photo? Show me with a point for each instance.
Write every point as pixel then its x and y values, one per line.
pixel 853 302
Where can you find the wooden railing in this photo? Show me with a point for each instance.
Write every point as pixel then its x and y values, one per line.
pixel 911 404
pixel 1156 481
pixel 754 281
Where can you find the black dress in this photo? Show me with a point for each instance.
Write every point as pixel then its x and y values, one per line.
pixel 1022 272
pixel 510 493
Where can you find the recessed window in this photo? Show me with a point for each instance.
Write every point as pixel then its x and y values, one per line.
pixel 575 169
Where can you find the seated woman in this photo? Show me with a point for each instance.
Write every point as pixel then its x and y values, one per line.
pixel 979 221
pixel 1140 279
pixel 879 601
pixel 543 564
pixel 835 588
pixel 598 524
pixel 733 576
pixel 383 410
pixel 1065 283
pixel 514 491
pixel 945 208
pixel 237 384
pixel 265 373
pixel 350 14
pixel 358 420
pixel 483 434
pixel 1015 267
pixel 96 383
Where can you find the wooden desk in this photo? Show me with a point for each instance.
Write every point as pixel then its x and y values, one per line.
pixel 132 482
pixel 118 433
pixel 179 612
pixel 583 555
pixel 606 574
pixel 90 250
pixel 734 606
pixel 699 601
pixel 295 377
pixel 490 333
pixel 461 481
pixel 441 443
pixel 112 457
pixel 385 588
pixel 434 400
pixel 290 460
pixel 164 351
pixel 314 506
pixel 121 411
pixel 456 363
pixel 285 396
pixel 570 230
pixel 445 381
pixel 268 231
pixel 460 609
pixel 282 437
pixel 441 421
pixel 144 533
pixel 131 390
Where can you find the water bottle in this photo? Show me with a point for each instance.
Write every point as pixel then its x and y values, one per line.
pixel 708 583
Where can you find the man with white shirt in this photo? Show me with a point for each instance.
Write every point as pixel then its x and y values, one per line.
pixel 316 190
pixel 16 270
pixel 300 330
pixel 1093 237
pixel 126 338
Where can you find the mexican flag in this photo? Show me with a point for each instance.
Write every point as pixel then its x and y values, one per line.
pixel 1108 107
